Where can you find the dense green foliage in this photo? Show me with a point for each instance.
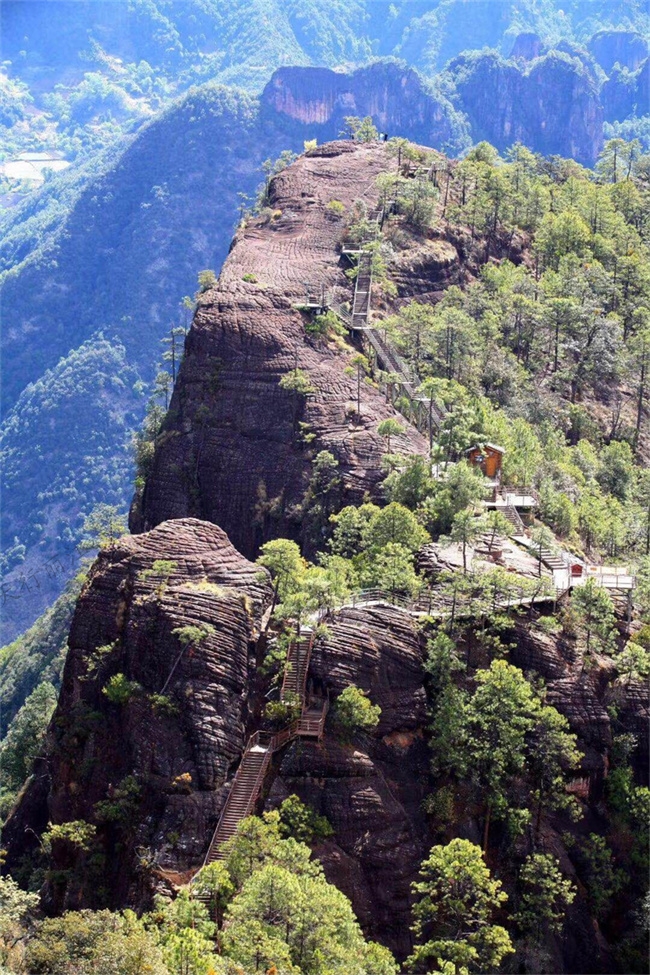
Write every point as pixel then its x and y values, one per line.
pixel 274 911
pixel 457 900
pixel 38 655
pixel 535 356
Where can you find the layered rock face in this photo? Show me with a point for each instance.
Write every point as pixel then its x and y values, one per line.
pixel 584 695
pixel 233 450
pixel 371 791
pixel 526 46
pixel 393 95
pixel 624 47
pixel 551 104
pixel 179 747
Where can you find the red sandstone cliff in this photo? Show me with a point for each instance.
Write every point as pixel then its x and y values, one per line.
pixel 230 442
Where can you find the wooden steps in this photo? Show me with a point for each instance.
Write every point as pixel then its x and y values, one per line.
pixel 241 800
pixel 514 518
pixel 294 681
pixel 249 779
pixel 551 560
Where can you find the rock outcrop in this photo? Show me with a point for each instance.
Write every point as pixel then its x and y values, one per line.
pixel 392 94
pixel 626 93
pixel 233 449
pixel 371 791
pixel 626 48
pixel 527 46
pixel 151 772
pixel 550 103
pixel 177 728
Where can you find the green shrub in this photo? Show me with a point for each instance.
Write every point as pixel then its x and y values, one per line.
pixel 281 713
pixel 549 625
pixel 122 803
pixel 302 822
pixel 353 711
pixel 161 704
pixel 326 324
pixel 335 208
pixel 120 690
pixel 77 833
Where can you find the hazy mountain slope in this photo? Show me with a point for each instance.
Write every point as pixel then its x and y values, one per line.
pixel 64 449
pixel 128 246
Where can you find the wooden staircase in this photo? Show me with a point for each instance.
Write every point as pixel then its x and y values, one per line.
pixel 427 416
pixel 243 794
pixel 294 680
pixel 249 779
pixel 362 287
pixel 551 560
pixel 514 518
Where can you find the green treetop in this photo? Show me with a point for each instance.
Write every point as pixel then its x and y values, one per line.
pixel 453 916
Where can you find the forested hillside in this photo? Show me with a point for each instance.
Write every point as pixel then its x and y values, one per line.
pixel 423 662
pixel 376 652
pixel 99 96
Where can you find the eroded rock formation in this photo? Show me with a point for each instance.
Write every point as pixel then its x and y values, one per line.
pixel 551 103
pixel 371 791
pixel 392 94
pixel 180 725
pixel 624 47
pixel 233 450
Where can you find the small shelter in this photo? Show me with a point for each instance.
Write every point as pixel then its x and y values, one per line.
pixel 489 457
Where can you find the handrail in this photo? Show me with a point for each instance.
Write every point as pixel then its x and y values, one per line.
pixel 252 742
pixel 423 605
pixel 273 743
pixel 301 680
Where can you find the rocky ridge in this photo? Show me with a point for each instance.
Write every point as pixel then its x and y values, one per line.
pixel 231 450
pixel 182 753
pixel 180 729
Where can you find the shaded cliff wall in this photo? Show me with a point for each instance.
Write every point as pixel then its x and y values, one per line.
pixel 393 94
pixel 231 451
pixel 550 104
pixel 130 607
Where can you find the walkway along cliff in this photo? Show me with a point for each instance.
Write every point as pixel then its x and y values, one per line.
pixel 167 768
